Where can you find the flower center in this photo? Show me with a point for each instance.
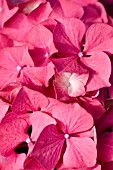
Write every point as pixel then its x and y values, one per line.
pixel 46 55
pixel 18 68
pixel 66 136
pixel 27 140
pixel 80 54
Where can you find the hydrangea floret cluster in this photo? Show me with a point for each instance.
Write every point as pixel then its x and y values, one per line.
pixel 56 85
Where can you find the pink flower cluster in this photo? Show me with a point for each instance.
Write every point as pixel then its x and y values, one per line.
pixel 56 85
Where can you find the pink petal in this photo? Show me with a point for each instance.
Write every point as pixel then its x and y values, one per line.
pixel 101 41
pixel 10 91
pixel 39 76
pixel 48 147
pixel 86 2
pixel 18 25
pixel 68 9
pixel 99 77
pixel 5 41
pixel 12 162
pixel 72 118
pixel 5 12
pixel 17 163
pixel 3 109
pixel 80 152
pixel 39 121
pixel 28 100
pixel 41 13
pixel 42 41
pixel 67 35
pixel 13 131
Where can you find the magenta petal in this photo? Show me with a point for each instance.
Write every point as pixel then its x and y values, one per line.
pixel 107 166
pixel 32 164
pixel 105 121
pixel 80 152
pixel 48 147
pixel 100 68
pixel 28 100
pixel 39 121
pixel 93 106
pixel 69 64
pixel 105 147
pixel 67 35
pixel 101 41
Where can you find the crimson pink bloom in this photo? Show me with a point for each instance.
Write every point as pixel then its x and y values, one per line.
pixel 72 121
pixel 12 62
pixel 68 39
